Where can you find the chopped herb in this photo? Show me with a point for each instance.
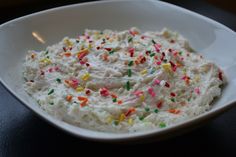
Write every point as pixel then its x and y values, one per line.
pixel 153 54
pixel 180 52
pixel 51 103
pixel 189 99
pixel 48 57
pixel 104 40
pixel 46 52
pixel 129 72
pixel 114 99
pixel 130 63
pixel 165 60
pixel 172 99
pixel 101 32
pixel 116 122
pixel 141 118
pixel 128 85
pixel 147 109
pixel 77 41
pixel 152 71
pixel 162 125
pixel 153 41
pixel 51 91
pixel 58 80
pixel 130 39
pixel 112 51
pixel 156 110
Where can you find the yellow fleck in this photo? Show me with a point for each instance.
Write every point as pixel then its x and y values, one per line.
pixel 142 97
pixel 79 89
pixel 122 117
pixel 46 60
pixel 143 72
pixel 109 119
pixel 68 42
pixel 130 121
pixel 90 46
pixel 166 67
pixel 85 77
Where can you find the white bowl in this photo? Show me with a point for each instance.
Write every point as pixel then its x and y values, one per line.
pixel 213 40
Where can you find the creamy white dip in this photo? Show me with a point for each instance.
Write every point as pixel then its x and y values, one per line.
pixel 122 81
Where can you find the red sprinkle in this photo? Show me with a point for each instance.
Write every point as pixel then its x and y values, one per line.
pixel 131 51
pixel 108 49
pixel 130 111
pixel 104 92
pixel 174 111
pixel 157 47
pixel 159 104
pixel 220 75
pixel 167 84
pixel 172 94
pixel 87 92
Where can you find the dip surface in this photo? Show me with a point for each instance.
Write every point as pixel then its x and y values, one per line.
pixel 124 81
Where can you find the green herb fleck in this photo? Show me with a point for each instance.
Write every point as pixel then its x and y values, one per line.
pixel 130 63
pixel 162 125
pixel 141 118
pixel 130 39
pixel 58 80
pixel 152 71
pixel 165 60
pixel 156 110
pixel 129 72
pixel 48 57
pixel 51 91
pixel 153 41
pixel 51 103
pixel 112 51
pixel 172 99
pixel 180 52
pixel 189 99
pixel 153 54
pixel 46 52
pixel 77 41
pixel 128 85
pixel 147 109
pixel 101 32
pixel 114 99
pixel 116 122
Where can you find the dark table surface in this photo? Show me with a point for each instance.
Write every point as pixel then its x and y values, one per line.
pixel 22 133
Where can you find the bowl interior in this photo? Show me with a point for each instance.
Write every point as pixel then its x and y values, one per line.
pixel 213 40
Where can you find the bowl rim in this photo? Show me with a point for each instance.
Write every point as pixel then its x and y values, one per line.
pixel 123 136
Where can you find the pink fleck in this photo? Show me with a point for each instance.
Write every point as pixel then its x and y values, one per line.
pixel 197 90
pixel 74 83
pixel 151 92
pixel 158 63
pixel 56 68
pixel 156 82
pixel 50 70
pixel 157 47
pixel 138 93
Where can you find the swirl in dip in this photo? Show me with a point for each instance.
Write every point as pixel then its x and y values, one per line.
pixel 122 81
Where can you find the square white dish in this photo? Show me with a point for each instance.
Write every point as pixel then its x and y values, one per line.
pixel 213 40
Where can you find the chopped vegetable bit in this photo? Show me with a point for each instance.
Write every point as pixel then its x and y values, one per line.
pixel 162 125
pixel 58 80
pixel 51 91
